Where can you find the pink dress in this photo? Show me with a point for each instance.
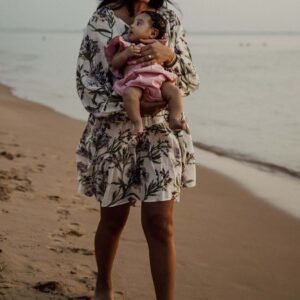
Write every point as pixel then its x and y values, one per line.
pixel 149 78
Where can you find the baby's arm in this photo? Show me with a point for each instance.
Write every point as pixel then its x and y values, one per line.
pixel 121 57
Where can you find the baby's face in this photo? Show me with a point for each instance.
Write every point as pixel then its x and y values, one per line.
pixel 141 28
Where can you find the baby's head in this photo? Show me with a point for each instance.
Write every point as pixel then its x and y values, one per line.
pixel 147 25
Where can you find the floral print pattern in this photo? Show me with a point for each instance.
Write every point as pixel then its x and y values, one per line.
pixel 113 165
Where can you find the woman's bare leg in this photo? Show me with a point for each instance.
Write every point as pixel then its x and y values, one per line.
pixel 157 221
pixel 172 95
pixel 112 222
pixel 131 99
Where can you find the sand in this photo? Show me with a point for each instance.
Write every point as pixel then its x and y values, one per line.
pixel 230 243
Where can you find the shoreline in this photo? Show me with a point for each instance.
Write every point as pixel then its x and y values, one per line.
pixel 237 246
pixel 278 190
pixel 262 165
pixel 266 166
pixel 248 172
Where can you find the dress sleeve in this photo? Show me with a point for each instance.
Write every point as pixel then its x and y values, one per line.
pixel 116 44
pixel 188 79
pixel 93 78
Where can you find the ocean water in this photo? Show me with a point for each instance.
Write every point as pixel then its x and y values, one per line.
pixel 247 106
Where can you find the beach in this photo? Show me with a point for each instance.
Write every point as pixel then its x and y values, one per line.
pixel 230 243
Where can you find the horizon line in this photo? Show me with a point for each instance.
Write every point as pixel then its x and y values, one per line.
pixel 58 30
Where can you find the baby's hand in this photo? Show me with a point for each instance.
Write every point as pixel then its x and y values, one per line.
pixel 133 51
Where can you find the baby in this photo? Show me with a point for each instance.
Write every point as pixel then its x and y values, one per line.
pixel 137 80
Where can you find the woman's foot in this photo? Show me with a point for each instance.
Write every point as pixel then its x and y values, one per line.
pixel 103 295
pixel 103 291
pixel 176 124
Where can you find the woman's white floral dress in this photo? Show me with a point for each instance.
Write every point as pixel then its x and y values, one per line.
pixel 113 165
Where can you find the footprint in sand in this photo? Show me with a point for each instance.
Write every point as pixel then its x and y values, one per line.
pixel 28 170
pixel 71 229
pixel 117 296
pixel 63 212
pixel 5 192
pixel 13 181
pixel 92 209
pixel 50 287
pixel 41 167
pixel 82 251
pixel 23 183
pixel 58 288
pixel 2 267
pixel 81 269
pixel 7 155
pixel 87 281
pixel 54 198
pixel 23 188
pixel 2 238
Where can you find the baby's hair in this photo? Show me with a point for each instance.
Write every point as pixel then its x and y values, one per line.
pixel 158 22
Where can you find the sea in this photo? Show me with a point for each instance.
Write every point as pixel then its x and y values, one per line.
pixel 247 106
pixel 244 117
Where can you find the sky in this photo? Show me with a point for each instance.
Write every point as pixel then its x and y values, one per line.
pixel 198 15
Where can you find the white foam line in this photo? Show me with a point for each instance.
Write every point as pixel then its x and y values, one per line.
pixel 277 189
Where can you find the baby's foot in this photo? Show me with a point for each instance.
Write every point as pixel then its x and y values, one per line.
pixel 138 128
pixel 176 124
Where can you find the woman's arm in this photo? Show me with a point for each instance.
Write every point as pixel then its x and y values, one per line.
pixel 93 77
pixel 183 67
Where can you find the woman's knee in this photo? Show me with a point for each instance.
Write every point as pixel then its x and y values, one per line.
pixel 114 227
pixel 159 227
pixel 114 219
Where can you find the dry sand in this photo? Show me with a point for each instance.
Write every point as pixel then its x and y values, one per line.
pixel 231 245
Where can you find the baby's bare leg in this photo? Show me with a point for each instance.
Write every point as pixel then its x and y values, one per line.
pixel 172 95
pixel 131 99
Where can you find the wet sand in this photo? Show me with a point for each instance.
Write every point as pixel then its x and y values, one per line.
pixel 230 244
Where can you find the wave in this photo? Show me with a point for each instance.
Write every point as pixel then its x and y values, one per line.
pixel 262 165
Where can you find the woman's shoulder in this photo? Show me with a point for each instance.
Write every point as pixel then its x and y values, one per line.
pixel 170 15
pixel 102 17
pixel 103 13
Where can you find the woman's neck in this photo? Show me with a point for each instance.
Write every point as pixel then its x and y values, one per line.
pixel 140 6
pixel 123 13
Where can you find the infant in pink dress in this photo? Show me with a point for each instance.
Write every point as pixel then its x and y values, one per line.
pixel 148 78
pixel 136 79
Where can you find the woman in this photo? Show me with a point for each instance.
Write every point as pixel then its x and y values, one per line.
pixel 120 169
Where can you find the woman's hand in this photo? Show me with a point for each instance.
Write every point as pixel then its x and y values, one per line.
pixel 155 52
pixel 151 108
